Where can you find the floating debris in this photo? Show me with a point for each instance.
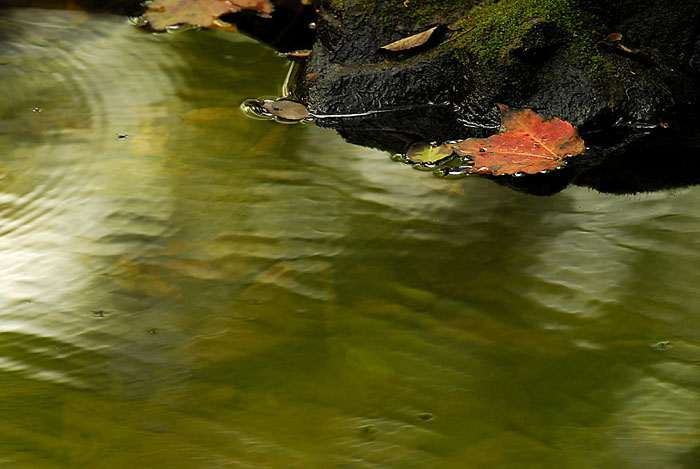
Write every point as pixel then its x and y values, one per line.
pixel 282 110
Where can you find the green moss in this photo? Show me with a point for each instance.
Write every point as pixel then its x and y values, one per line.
pixel 420 12
pixel 489 30
pixel 494 28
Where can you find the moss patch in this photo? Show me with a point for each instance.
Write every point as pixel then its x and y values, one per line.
pixel 420 12
pixel 492 29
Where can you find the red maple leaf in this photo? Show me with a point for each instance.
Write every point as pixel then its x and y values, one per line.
pixel 527 143
pixel 204 13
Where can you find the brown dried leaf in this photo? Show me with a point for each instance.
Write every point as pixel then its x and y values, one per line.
pixel 204 13
pixel 614 41
pixel 410 42
pixel 286 109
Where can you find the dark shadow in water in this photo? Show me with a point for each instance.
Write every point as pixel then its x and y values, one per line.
pixel 289 28
pixel 620 159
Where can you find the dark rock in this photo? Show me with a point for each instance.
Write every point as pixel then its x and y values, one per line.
pixel 623 102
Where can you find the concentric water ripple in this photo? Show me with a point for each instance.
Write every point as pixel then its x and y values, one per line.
pixel 186 287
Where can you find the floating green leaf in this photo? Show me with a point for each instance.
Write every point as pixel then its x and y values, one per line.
pixel 425 153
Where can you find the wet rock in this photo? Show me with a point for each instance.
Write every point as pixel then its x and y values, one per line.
pixel 643 97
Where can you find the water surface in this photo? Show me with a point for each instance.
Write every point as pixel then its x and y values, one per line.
pixel 183 286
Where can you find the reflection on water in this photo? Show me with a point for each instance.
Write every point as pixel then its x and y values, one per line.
pixel 187 287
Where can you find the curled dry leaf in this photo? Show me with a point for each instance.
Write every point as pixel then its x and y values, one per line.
pixel 614 41
pixel 286 109
pixel 527 143
pixel 204 13
pixel 410 42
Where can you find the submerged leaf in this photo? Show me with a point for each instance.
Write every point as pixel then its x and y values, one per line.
pixel 422 153
pixel 204 13
pixel 528 143
pixel 410 42
pixel 206 114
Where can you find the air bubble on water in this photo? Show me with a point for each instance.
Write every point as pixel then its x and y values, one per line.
pixel 181 28
pixel 253 108
pixel 453 172
pixel 138 21
pixel 424 166
pixel 518 174
pixel 662 345
pixel 312 25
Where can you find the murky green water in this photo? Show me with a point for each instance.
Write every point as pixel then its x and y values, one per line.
pixel 185 287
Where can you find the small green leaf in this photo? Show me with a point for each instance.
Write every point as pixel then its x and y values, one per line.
pixel 422 153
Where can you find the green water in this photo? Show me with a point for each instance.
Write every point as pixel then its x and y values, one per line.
pixel 186 287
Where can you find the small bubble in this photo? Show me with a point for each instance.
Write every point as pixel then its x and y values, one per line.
pixel 482 150
pixel 518 174
pixel 100 313
pixel 367 430
pixel 453 172
pixel 181 28
pixel 154 331
pixel 312 25
pixel 37 109
pixel 663 345
pixel 138 21
pixel 253 108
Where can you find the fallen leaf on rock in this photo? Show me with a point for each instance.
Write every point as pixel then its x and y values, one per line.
pixel 410 42
pixel 286 109
pixel 204 13
pixel 614 41
pixel 422 153
pixel 527 143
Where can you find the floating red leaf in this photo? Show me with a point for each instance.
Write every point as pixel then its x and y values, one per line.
pixel 527 143
pixel 204 13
